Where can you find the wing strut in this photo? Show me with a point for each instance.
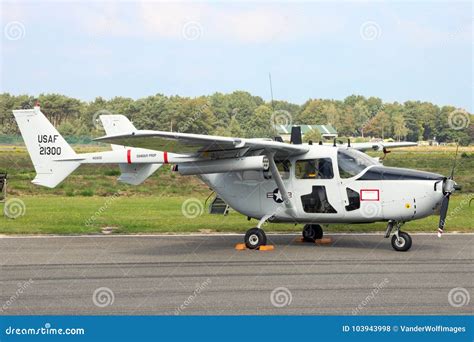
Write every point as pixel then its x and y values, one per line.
pixel 281 187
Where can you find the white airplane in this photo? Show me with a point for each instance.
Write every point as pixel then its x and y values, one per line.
pixel 260 178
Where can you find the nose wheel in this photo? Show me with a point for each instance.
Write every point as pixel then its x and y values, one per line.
pixel 254 238
pixel 401 242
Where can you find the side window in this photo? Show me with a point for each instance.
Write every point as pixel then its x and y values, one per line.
pixel 354 200
pixel 314 169
pixel 283 167
pixel 317 201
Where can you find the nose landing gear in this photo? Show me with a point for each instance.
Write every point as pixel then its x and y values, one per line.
pixel 401 241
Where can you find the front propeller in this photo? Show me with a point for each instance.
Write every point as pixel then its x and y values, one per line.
pixel 449 185
pixel 443 213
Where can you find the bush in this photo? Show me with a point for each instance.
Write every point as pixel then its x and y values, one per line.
pixel 87 193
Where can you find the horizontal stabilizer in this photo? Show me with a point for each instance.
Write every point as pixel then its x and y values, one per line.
pixel 136 174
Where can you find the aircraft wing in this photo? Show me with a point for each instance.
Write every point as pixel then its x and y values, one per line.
pixel 198 144
pixel 376 146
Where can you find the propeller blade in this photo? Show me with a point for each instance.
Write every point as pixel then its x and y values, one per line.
pixel 443 213
pixel 454 162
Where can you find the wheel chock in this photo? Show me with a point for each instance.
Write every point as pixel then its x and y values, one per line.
pixel 242 247
pixel 324 241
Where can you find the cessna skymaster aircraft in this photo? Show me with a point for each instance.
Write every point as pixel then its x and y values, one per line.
pixel 260 178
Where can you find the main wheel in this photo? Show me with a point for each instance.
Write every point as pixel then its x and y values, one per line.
pixel 312 232
pixel 403 243
pixel 254 238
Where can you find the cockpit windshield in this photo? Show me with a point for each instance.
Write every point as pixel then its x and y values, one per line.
pixel 352 162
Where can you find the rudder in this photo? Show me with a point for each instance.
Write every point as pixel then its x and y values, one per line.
pixel 51 155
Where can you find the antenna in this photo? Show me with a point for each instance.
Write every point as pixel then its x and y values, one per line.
pixel 271 88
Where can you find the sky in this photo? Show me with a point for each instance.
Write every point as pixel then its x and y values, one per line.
pixel 397 51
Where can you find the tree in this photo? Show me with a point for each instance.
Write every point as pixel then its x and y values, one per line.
pixel 399 127
pixel 312 113
pixel 379 125
pixel 260 123
pixel 361 116
pixel 242 115
pixel 312 135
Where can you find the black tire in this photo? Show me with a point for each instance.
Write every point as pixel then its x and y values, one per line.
pixel 312 232
pixel 255 238
pixel 402 245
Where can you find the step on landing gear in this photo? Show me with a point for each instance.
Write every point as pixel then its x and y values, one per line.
pixel 401 241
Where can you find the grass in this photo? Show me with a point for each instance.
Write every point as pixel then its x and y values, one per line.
pixel 88 215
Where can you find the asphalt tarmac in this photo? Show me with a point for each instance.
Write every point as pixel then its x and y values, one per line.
pixel 204 274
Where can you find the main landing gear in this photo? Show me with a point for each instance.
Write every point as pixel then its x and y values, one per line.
pixel 401 241
pixel 256 237
pixel 312 232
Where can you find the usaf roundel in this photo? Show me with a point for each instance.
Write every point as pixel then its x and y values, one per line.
pixel 277 197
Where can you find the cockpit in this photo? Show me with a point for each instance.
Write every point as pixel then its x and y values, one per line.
pixel 352 162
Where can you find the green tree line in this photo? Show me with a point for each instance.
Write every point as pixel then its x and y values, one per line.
pixel 244 115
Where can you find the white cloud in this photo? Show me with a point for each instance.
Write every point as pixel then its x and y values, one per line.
pixel 256 23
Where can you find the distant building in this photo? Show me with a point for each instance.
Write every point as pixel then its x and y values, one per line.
pixel 327 131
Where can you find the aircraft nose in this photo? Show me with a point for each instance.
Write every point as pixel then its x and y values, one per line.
pixel 449 185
